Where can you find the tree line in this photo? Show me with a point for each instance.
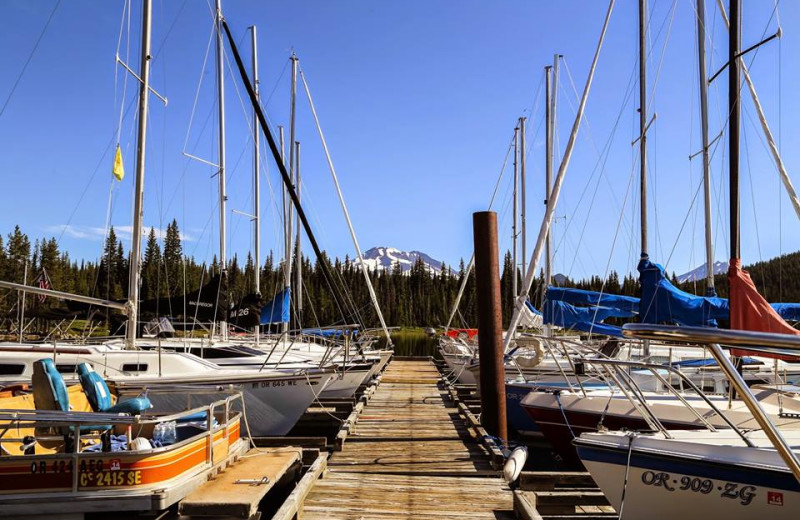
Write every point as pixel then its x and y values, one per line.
pixel 418 297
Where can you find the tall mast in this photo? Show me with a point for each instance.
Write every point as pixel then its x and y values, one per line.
pixel 298 260
pixel 136 244
pixel 256 180
pixel 643 122
pixel 643 137
pixel 701 61
pixel 548 172
pixel 287 281
pixel 734 110
pixel 523 224
pixel 223 197
pixel 555 192
pixel 514 234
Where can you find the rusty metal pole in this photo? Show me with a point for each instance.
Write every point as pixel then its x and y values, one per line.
pixel 490 324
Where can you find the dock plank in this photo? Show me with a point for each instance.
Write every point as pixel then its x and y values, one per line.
pixel 411 454
pixel 228 495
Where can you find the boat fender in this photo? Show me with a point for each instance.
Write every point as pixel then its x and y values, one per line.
pixel 515 463
pixel 140 443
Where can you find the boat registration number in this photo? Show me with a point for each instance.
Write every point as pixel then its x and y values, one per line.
pixel 110 478
pixel 705 486
pixel 265 384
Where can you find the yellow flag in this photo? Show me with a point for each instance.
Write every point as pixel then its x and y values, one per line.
pixel 119 169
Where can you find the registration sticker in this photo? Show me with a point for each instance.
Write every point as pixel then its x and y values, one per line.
pixel 774 498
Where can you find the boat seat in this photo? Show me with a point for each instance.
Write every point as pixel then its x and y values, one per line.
pixel 50 393
pixel 100 396
pixel 49 389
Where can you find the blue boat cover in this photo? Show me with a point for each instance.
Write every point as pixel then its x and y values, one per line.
pixel 581 297
pixel 532 308
pixel 662 302
pixel 327 333
pixel 787 311
pixel 586 319
pixel 277 311
pixel 710 362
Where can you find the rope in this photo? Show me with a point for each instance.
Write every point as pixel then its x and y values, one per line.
pixel 557 395
pixel 627 472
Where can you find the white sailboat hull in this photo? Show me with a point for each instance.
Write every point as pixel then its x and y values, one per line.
pixel 683 478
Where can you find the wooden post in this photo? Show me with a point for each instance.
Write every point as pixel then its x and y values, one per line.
pixel 490 324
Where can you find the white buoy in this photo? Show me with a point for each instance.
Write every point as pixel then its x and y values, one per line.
pixel 515 463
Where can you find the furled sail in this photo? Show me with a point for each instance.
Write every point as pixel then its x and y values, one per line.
pixel 582 297
pixel 750 311
pixel 586 319
pixel 662 302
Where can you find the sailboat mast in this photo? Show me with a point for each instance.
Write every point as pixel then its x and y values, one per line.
pixel 287 266
pixel 523 224
pixel 643 138
pixel 734 111
pixel 223 197
pixel 548 175
pixel 559 180
pixel 701 61
pixel 643 123
pixel 298 260
pixel 136 243
pixel 256 180
pixel 514 220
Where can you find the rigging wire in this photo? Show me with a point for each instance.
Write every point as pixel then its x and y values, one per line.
pixel 30 57
pixel 599 167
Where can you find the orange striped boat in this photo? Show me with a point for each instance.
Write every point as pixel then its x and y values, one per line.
pixel 61 473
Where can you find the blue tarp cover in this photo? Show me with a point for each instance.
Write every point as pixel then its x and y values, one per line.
pixel 662 302
pixel 327 333
pixel 710 362
pixel 586 319
pixel 582 297
pixel 532 308
pixel 787 311
pixel 277 311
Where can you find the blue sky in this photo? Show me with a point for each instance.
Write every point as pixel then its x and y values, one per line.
pixel 418 101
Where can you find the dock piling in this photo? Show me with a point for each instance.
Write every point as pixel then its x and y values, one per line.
pixel 490 324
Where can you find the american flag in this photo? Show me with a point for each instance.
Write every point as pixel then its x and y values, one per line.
pixel 43 282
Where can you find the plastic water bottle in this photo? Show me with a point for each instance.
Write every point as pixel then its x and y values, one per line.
pixel 170 434
pixel 164 433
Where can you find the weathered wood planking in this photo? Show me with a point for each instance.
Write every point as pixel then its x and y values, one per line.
pixel 237 491
pixel 410 454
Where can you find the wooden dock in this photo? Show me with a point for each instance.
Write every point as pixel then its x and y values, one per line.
pixel 411 454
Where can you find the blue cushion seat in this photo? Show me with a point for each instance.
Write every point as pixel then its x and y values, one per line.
pixel 99 395
pixel 49 389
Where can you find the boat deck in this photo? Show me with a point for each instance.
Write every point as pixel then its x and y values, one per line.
pixel 412 454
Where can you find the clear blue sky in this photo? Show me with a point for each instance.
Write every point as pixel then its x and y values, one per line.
pixel 418 101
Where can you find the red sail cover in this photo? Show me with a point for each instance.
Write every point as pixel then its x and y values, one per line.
pixel 750 311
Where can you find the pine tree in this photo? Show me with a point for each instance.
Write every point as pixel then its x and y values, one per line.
pixel 151 268
pixel 108 280
pixel 18 253
pixel 173 259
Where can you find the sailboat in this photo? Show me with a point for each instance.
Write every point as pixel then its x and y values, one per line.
pixel 729 473
pixel 69 451
pixel 274 398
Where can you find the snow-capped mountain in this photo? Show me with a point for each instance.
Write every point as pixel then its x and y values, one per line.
pixel 386 257
pixel 700 272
